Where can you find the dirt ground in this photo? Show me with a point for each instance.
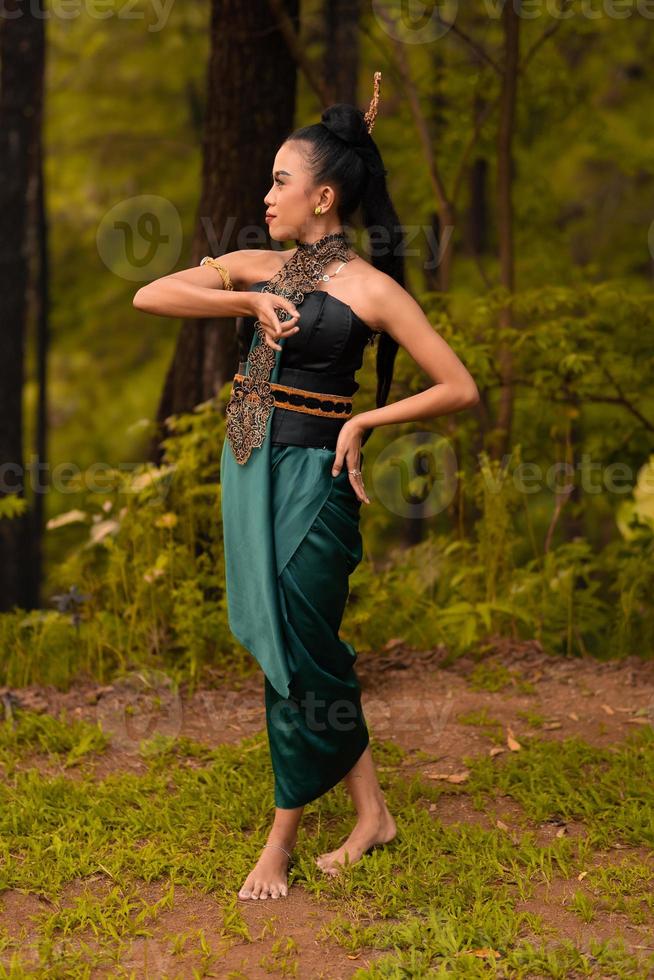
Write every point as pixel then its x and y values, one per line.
pixel 413 697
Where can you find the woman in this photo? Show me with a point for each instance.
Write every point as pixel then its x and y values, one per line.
pixel 291 482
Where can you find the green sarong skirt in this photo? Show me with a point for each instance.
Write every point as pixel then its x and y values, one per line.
pixel 291 540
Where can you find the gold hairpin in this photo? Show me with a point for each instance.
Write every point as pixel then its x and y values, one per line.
pixel 371 114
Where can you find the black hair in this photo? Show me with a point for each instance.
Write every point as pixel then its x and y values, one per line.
pixel 342 152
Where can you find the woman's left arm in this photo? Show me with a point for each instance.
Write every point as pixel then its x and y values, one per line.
pixel 454 388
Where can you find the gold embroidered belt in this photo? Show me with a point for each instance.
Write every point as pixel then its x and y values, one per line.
pixel 301 400
pixel 253 397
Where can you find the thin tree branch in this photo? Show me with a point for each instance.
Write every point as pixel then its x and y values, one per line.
pixel 438 185
pixel 620 399
pixel 544 36
pixel 624 401
pixel 477 48
pixel 474 139
pixel 561 501
pixel 288 32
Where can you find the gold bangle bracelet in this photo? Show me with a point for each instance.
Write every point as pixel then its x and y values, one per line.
pixel 222 269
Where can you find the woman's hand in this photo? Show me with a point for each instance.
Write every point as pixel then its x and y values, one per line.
pixel 348 453
pixel 263 308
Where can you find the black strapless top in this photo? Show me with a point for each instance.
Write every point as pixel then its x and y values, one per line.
pixel 324 355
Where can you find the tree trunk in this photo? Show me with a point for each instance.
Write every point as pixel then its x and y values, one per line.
pixel 341 59
pixel 250 111
pixel 39 302
pixel 21 97
pixel 511 23
pixel 478 215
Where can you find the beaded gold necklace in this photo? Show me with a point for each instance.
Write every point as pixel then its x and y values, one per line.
pixel 251 403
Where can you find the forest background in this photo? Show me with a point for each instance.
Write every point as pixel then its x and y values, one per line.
pixel 520 159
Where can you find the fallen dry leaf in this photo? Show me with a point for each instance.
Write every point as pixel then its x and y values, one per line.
pixel 549 726
pixel 496 750
pixel 511 741
pixel 574 716
pixel 582 875
pixel 484 951
pixel 394 642
pixel 453 777
pixel 561 832
pixel 609 710
pixel 501 825
pixel 33 701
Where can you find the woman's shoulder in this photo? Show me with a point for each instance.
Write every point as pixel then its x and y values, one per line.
pixel 272 259
pixel 364 288
pixel 248 266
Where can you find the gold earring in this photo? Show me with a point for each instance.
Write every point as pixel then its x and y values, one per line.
pixel 317 210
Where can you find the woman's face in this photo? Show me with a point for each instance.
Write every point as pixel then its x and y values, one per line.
pixel 292 198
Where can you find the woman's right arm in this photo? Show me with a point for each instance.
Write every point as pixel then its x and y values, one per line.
pixel 199 291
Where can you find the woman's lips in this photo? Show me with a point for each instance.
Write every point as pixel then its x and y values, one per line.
pixel 270 217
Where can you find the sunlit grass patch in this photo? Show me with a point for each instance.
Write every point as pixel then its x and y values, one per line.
pixel 176 820
pixel 496 677
pixel 611 790
pixel 442 899
pixel 605 959
pixel 438 900
pixel 627 888
pixel 283 959
pixel 533 718
pixel 481 719
pixel 67 739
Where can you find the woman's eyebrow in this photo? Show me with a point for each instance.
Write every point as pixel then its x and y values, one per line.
pixel 285 172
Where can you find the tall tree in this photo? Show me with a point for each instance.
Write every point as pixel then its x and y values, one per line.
pixel 22 53
pixel 505 217
pixel 39 305
pixel 251 89
pixel 341 59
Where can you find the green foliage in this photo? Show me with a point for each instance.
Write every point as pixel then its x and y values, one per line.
pixel 151 575
pixel 572 598
pixel 547 542
pixel 152 571
pixel 11 505
pixel 113 857
pixel 67 739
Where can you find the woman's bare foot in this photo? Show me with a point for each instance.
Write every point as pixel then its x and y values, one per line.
pixel 379 828
pixel 268 877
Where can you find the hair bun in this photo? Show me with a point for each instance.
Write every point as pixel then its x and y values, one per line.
pixel 349 124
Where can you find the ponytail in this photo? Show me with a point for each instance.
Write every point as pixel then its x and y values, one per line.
pixel 342 152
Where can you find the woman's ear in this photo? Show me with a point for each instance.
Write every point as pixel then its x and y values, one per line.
pixel 327 198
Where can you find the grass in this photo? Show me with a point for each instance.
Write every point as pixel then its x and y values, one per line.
pixel 66 740
pixel 439 901
pixel 491 727
pixel 496 677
